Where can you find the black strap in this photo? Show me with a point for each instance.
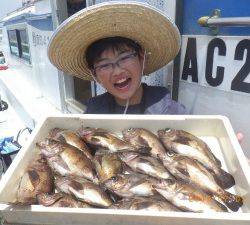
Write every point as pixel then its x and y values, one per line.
pixel 19 133
pixel 2 166
pixel 3 105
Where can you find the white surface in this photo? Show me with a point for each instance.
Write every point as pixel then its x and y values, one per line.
pixel 215 129
pixel 39 75
pixel 36 107
pixel 232 67
pixel 203 99
pixel 45 74
pixel 42 7
pixel 32 89
pixel 10 123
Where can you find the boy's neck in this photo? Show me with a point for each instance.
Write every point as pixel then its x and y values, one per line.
pixel 134 100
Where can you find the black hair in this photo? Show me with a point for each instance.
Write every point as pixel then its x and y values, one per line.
pixel 95 50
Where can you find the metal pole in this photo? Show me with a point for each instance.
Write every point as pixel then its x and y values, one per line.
pixel 233 21
pixel 206 21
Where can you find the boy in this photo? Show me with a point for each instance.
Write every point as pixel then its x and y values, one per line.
pixel 115 44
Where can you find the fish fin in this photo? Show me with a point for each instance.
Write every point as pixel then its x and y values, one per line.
pixel 75 185
pixel 182 167
pixel 176 171
pixel 59 165
pixel 34 177
pixel 144 150
pixel 224 179
pixel 233 202
pixel 143 160
pixel 94 139
pixel 183 173
pixel 61 139
pixel 182 140
pixel 48 200
pixel 55 132
pixel 143 142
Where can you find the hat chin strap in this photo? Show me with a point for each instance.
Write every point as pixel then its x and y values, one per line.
pixel 92 75
pixel 143 65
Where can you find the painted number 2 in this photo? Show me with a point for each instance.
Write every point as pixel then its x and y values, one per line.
pixel 238 83
pixel 190 64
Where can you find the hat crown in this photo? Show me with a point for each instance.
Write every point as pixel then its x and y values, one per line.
pixel 141 22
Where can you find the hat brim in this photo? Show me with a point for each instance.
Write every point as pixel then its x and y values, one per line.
pixel 146 25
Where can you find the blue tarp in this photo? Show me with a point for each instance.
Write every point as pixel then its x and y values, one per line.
pixel 7 146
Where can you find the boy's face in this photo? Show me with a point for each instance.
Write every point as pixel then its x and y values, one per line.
pixel 119 72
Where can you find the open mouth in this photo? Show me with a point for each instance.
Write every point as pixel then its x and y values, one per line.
pixel 123 83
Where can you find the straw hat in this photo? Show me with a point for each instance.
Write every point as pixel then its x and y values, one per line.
pixel 146 25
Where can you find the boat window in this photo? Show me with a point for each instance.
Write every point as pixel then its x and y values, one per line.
pixel 19 45
pixel 2 60
pixel 24 44
pixel 12 34
pixel 82 88
pixel 75 5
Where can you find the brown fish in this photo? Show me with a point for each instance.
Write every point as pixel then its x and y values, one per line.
pixel 145 164
pixel 72 138
pixel 130 185
pixel 60 200
pixel 107 166
pixel 36 180
pixel 187 197
pixel 67 160
pixel 191 170
pixel 144 138
pixel 189 145
pixel 149 204
pixel 104 138
pixel 83 190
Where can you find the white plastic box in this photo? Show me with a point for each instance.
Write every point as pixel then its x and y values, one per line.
pixel 215 130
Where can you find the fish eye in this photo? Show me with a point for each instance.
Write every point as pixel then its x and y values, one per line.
pixel 170 153
pixel 114 178
pixel 130 129
pixel 167 129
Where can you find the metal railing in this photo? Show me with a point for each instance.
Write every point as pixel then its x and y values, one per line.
pixel 215 21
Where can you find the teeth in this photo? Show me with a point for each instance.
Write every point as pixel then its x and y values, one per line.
pixel 120 81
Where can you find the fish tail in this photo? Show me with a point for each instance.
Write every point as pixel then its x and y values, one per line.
pixel 233 202
pixel 224 179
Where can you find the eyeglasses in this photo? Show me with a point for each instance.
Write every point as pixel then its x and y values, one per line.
pixel 122 62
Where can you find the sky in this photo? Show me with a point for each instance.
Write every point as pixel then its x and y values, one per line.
pixel 7 6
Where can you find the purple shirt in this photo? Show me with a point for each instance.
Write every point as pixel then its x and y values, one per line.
pixel 155 100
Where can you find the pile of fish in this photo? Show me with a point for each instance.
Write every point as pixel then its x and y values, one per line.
pixel 92 167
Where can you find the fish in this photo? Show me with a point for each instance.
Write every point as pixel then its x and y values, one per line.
pixel 145 164
pixel 192 171
pixel 60 200
pixel 149 204
pixel 189 145
pixel 83 190
pixel 141 137
pixel 104 138
pixel 72 138
pixel 187 197
pixel 130 185
pixel 67 160
pixel 107 166
pixel 37 179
